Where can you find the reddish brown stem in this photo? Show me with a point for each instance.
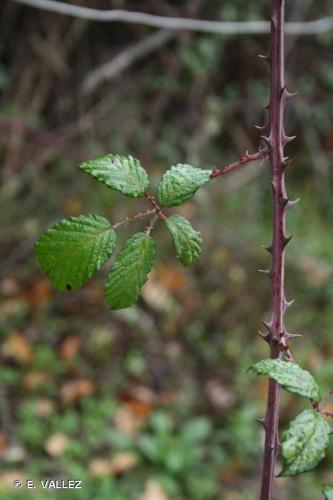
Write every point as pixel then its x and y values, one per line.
pixel 138 216
pixel 276 140
pixel 327 414
pixel 157 207
pixel 246 158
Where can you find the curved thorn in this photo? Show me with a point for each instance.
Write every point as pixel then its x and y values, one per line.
pixel 292 336
pixel 261 421
pixel 269 248
pixel 267 325
pixel 293 203
pixel 289 303
pixel 262 128
pixel 286 139
pixel 264 337
pixel 286 241
pixel 268 272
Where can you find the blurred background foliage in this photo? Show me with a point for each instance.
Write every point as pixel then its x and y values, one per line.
pixel 154 402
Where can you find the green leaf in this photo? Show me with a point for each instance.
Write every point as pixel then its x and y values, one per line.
pixel 187 241
pixel 328 492
pixel 71 251
pixel 196 430
pixel 123 173
pixel 180 183
pixel 130 271
pixel 304 443
pixel 290 376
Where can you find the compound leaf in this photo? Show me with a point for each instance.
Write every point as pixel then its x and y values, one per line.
pixel 71 251
pixel 304 443
pixel 123 173
pixel 180 183
pixel 187 241
pixel 290 376
pixel 130 271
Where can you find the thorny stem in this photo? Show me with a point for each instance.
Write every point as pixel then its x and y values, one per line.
pixel 276 140
pixel 246 158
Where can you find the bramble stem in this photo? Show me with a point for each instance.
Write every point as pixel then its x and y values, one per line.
pixel 139 215
pixel 158 208
pixel 276 140
pixel 246 158
pixel 151 224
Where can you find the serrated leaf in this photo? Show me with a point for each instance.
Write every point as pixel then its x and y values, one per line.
pixel 180 183
pixel 304 443
pixel 71 251
pixel 130 271
pixel 123 173
pixel 328 492
pixel 187 241
pixel 290 376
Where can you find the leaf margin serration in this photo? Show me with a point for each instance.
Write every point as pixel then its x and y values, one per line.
pixel 127 262
pixel 187 241
pixel 120 172
pixel 179 183
pixel 300 439
pixel 61 257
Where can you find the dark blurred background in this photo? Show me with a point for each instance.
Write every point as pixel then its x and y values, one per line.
pixel 154 402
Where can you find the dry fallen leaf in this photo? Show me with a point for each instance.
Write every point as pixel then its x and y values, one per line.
pixel 153 491
pixel 35 378
pixel 18 348
pixel 74 390
pixel 128 420
pixel 172 277
pixel 8 477
pixel 56 444
pixel 44 407
pixel 38 293
pixel 120 463
pixel 99 467
pixel 69 348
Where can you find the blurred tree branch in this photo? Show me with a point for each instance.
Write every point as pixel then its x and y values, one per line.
pixel 177 23
pixel 124 59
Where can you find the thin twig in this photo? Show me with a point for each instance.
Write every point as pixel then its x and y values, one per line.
pixel 152 224
pixel 246 158
pixel 124 59
pixel 327 414
pixel 157 207
pixel 177 23
pixel 139 215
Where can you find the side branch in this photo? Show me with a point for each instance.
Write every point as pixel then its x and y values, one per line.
pixel 157 207
pixel 138 216
pixel 246 158
pixel 178 23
